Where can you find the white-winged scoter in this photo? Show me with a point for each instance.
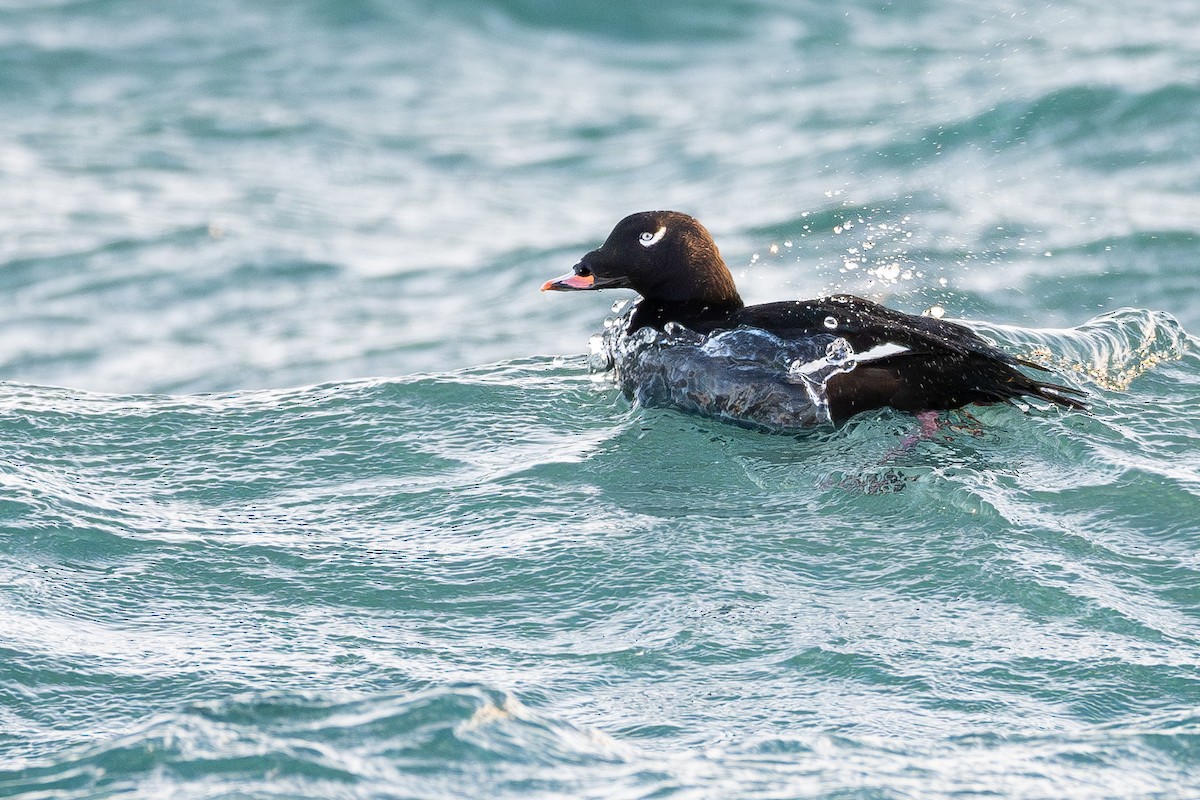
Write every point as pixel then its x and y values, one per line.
pixel 902 361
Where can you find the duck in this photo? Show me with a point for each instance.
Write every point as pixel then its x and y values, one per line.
pixel 919 365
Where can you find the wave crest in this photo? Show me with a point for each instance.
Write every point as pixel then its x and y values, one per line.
pixel 1110 350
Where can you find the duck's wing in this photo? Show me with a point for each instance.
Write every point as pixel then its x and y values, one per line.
pixel 905 361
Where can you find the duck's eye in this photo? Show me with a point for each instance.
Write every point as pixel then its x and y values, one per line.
pixel 649 239
pixel 583 271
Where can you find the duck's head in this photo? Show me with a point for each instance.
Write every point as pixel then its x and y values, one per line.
pixel 665 256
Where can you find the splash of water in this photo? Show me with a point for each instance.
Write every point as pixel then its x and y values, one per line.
pixel 746 376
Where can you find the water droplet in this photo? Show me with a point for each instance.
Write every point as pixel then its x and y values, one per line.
pixel 600 358
pixel 887 272
pixel 645 335
pixel 831 322
pixel 839 353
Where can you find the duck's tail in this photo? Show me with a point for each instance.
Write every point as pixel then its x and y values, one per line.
pixel 1022 385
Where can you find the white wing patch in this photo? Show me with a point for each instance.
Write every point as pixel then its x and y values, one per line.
pixel 881 351
pixel 649 239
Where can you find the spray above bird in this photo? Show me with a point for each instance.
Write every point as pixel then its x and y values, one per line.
pixel 864 355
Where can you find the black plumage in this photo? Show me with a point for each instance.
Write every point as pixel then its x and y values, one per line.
pixel 910 363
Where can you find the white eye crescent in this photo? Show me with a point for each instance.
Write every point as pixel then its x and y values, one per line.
pixel 649 239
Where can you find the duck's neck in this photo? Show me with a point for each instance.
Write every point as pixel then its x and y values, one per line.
pixel 701 315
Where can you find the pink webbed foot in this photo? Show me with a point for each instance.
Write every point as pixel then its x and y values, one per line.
pixel 929 425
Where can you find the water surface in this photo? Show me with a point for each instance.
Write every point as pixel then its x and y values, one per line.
pixel 305 490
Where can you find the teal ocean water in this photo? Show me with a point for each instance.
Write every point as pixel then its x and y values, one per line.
pixel 307 491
